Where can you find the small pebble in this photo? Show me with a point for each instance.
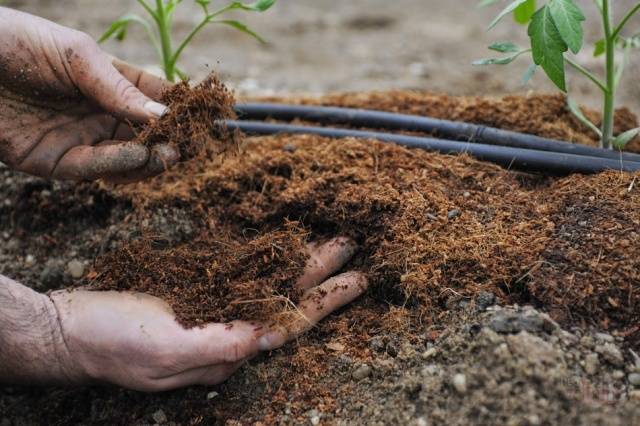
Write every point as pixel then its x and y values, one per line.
pixel 617 374
pixel 634 379
pixel 534 420
pixel 634 395
pixel 76 269
pixel 604 337
pixel 362 372
pixel 429 353
pixel 453 214
pixel 212 394
pixel 466 194
pixel 460 383
pixel 591 364
pixel 315 420
pixel 159 417
pixel 29 260
pixel 611 353
pixel 289 148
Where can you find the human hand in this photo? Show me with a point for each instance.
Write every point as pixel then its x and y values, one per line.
pixel 133 340
pixel 65 105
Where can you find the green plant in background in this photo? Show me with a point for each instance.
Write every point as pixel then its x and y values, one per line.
pixel 159 27
pixel 555 31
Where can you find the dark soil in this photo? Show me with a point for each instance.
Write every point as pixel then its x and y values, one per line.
pixel 435 233
pixel 193 122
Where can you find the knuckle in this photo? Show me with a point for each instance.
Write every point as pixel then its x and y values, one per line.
pixel 82 41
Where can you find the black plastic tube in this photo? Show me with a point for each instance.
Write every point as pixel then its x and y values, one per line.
pixel 440 128
pixel 516 158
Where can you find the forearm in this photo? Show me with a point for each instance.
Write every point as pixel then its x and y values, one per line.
pixel 32 347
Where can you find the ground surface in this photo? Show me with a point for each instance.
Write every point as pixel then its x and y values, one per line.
pixel 337 45
pixel 375 363
pixel 465 240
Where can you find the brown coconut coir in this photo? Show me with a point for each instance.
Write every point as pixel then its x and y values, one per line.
pixel 194 122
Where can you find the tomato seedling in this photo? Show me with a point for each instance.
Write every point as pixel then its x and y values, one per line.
pixel 555 31
pixel 159 27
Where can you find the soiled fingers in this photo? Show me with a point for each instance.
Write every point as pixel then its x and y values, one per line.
pixel 317 303
pixel 325 259
pixel 114 161
pixel 161 158
pixel 149 84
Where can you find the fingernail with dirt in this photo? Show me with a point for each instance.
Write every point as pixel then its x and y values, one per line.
pixel 156 108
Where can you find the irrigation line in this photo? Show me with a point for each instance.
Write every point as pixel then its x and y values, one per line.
pixel 439 128
pixel 517 158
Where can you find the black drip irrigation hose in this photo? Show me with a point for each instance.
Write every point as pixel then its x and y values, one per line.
pixel 517 158
pixel 440 128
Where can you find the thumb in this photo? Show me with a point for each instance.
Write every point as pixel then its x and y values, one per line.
pixel 97 78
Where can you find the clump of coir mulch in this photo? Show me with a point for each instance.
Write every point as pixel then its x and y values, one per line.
pixel 219 276
pixel 433 228
pixel 194 123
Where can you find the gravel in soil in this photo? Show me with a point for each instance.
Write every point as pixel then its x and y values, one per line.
pixel 441 237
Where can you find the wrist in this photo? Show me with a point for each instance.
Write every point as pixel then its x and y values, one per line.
pixel 32 345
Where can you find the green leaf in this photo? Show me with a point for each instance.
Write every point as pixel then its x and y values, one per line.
pixel 523 13
pixel 505 12
pixel 548 47
pixel 118 28
pixel 256 6
pixel 568 19
pixel 599 48
pixel 624 138
pixel 577 112
pixel 485 3
pixel 504 47
pixel 500 61
pixel 528 74
pixel 241 27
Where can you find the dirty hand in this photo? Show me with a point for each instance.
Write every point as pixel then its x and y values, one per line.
pixel 65 105
pixel 133 340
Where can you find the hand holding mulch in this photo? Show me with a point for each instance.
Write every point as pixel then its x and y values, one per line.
pixel 133 339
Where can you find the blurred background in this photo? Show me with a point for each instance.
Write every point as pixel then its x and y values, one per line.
pixel 350 45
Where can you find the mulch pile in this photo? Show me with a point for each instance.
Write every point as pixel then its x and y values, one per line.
pixel 193 122
pixel 431 228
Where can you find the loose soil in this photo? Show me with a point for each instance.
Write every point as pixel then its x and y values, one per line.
pixel 194 121
pixel 441 238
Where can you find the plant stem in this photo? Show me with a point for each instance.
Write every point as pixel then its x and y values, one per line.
pixel 624 21
pixel 165 41
pixel 587 74
pixel 609 95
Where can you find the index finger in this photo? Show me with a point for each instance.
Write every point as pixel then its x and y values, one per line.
pixel 316 304
pixel 149 84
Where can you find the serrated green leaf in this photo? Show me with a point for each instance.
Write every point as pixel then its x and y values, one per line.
pixel 528 74
pixel 548 47
pixel 624 138
pixel 241 27
pixel 504 47
pixel 523 13
pixel 568 19
pixel 507 10
pixel 577 112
